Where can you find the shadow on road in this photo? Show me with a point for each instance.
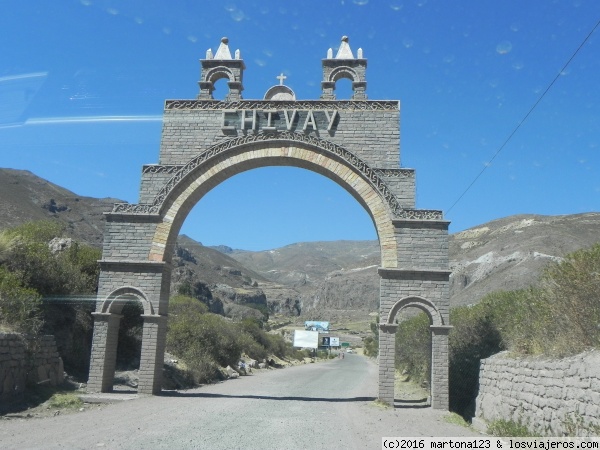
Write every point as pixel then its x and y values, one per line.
pixel 265 397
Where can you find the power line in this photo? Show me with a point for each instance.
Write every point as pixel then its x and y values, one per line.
pixel 560 72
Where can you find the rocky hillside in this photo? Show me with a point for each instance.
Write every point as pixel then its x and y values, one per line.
pixel 317 279
pixel 509 253
pixel 226 285
pixel 25 197
pixel 506 254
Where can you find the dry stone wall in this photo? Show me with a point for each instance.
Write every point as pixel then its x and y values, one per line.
pixel 24 361
pixel 553 397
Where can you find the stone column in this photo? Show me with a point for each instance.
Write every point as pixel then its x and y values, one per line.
pixel 154 339
pixel 104 352
pixel 359 88
pixel 328 88
pixel 387 362
pixel 439 366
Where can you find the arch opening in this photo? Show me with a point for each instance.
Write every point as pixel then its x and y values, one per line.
pixel 177 203
pixel 274 206
pixel 129 347
pixel 412 359
pixel 343 89
pixel 220 88
pixel 413 321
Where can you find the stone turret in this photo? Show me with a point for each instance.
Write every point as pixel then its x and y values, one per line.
pixel 344 65
pixel 222 65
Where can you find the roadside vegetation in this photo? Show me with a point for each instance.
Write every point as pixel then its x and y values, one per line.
pixel 208 342
pixel 558 317
pixel 49 291
pixel 46 291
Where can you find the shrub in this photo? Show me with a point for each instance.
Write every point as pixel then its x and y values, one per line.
pixel 508 428
pixel 65 400
pixel 66 281
pixel 571 296
pixel 473 337
pixel 208 337
pixel 73 271
pixel 371 343
pixel 20 307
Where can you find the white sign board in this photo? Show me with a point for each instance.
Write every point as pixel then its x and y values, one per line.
pixel 334 341
pixel 316 325
pixel 306 339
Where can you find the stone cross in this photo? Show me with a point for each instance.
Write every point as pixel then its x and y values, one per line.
pixel 281 78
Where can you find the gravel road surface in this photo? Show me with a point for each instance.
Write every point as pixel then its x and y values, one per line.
pixel 328 405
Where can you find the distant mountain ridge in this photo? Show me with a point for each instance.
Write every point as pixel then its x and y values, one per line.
pixel 316 279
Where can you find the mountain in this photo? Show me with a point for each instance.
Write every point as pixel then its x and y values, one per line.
pixel 222 282
pixel 316 279
pixel 510 253
pixel 504 254
pixel 26 197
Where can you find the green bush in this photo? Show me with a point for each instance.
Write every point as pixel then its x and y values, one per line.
pixel 473 337
pixel 65 401
pixel 571 303
pixel 66 281
pixel 20 307
pixel 508 428
pixel 205 341
pixel 73 271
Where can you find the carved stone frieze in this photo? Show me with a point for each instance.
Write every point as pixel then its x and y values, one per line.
pixel 396 173
pixel 420 214
pixel 135 208
pixel 265 104
pixel 157 168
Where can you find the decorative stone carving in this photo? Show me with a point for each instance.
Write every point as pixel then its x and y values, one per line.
pixel 382 105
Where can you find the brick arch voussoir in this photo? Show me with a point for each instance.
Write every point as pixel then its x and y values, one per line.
pixel 237 155
pixel 421 303
pixel 219 72
pixel 344 72
pixel 114 302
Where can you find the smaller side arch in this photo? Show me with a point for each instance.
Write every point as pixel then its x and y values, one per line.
pixel 418 302
pixel 114 302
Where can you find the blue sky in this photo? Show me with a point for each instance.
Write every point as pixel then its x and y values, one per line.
pixel 83 83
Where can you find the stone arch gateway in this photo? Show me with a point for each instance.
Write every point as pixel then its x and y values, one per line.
pixel 205 141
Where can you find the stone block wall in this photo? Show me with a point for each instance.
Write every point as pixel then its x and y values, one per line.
pixel 422 244
pixel 552 397
pixel 24 361
pixel 369 129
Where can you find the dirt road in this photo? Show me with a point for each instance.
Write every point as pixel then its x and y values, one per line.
pixel 328 405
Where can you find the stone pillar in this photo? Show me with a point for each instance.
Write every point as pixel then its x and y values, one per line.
pixel 328 88
pixel 154 339
pixel 359 88
pixel 387 362
pixel 104 352
pixel 439 366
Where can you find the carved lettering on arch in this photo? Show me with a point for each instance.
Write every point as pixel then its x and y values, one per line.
pixel 274 120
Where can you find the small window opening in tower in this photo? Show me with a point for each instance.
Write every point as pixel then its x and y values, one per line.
pixel 221 89
pixel 343 89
